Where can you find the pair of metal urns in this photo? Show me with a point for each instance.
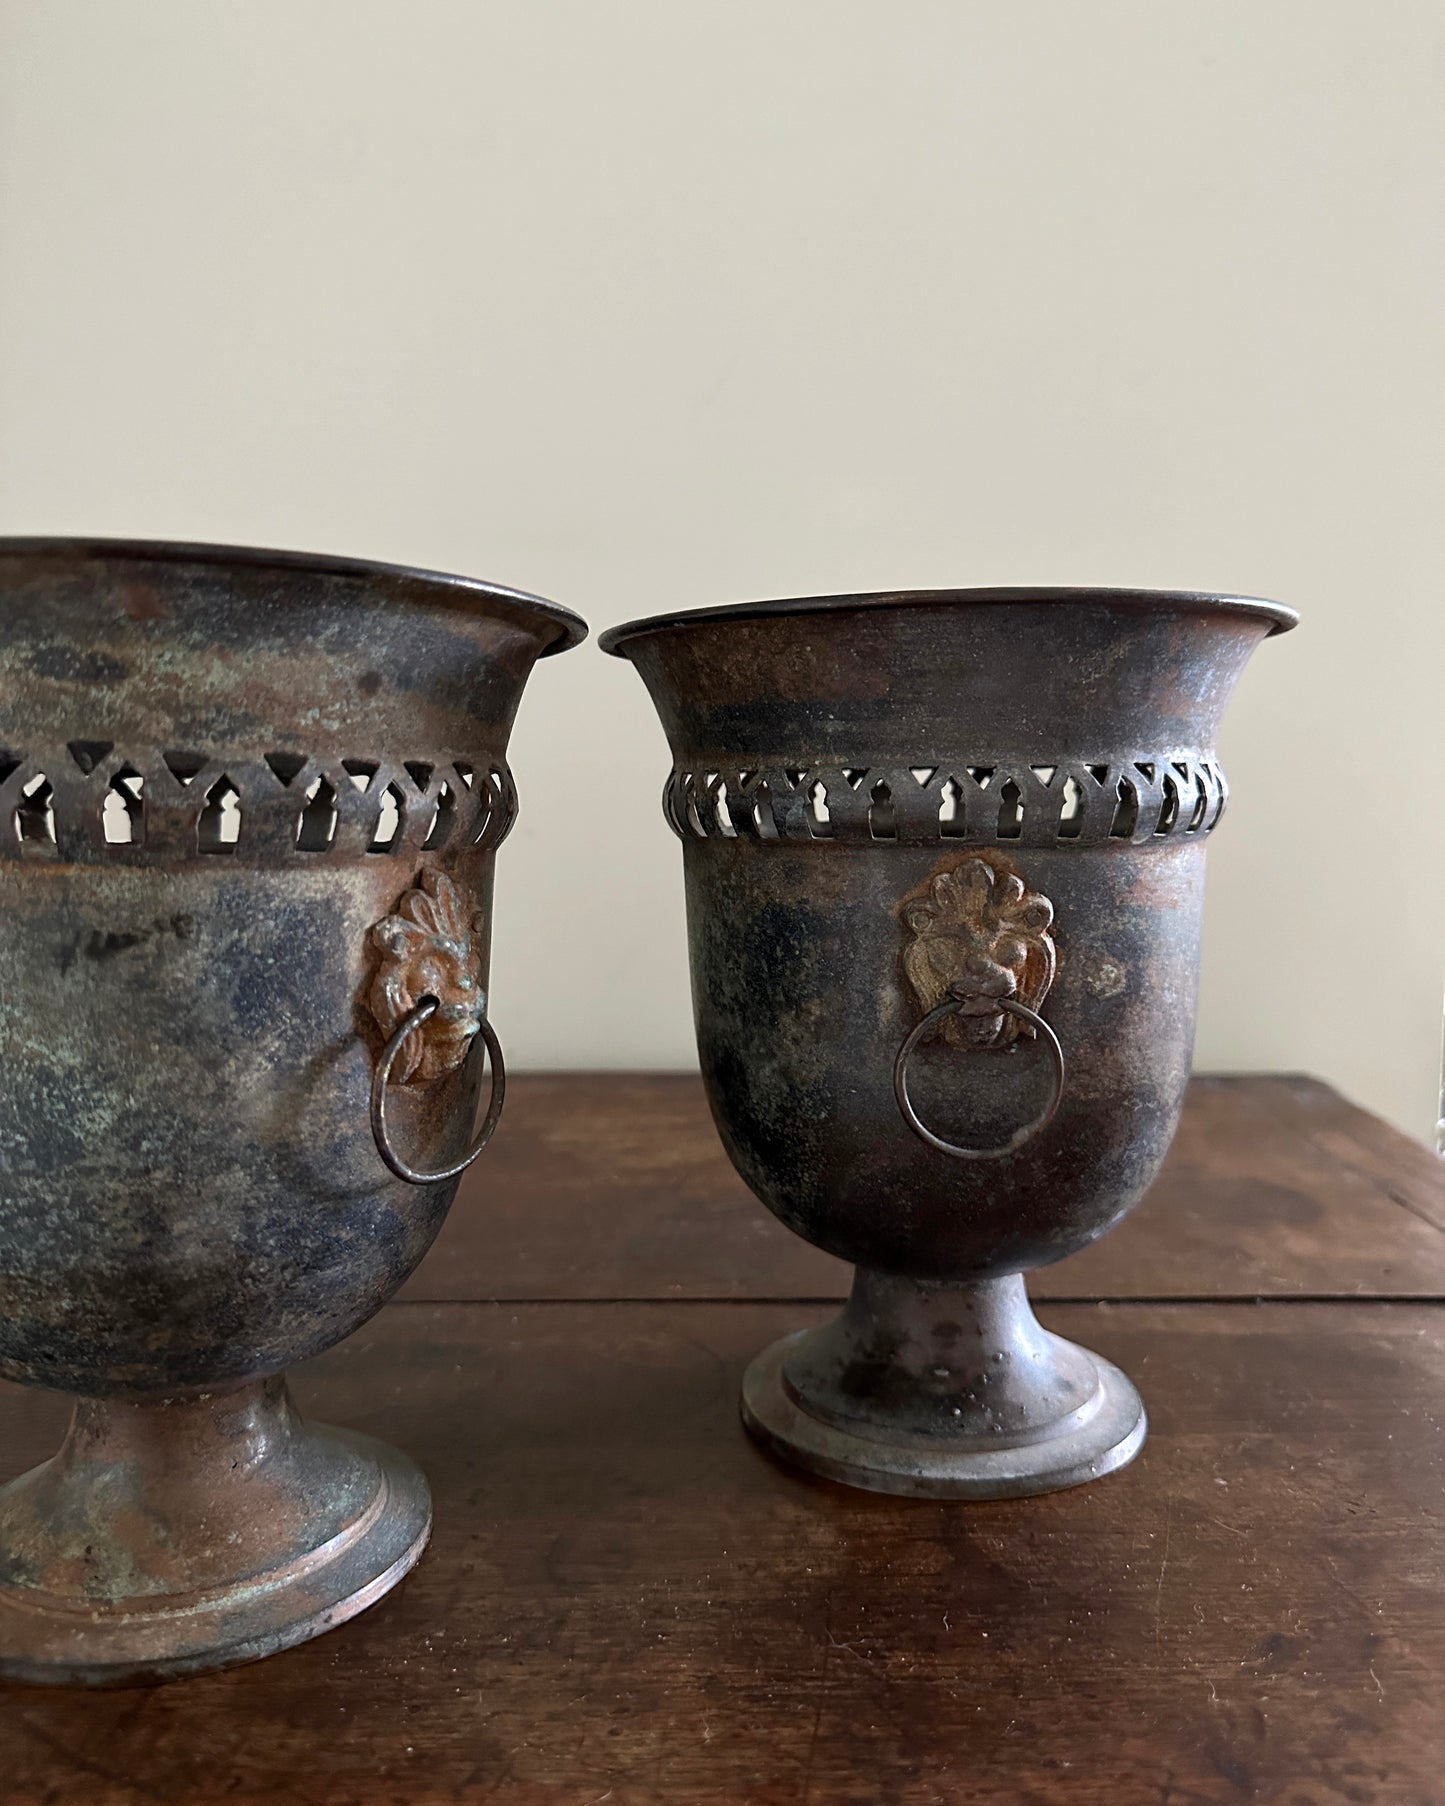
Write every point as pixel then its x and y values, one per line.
pixel 944 859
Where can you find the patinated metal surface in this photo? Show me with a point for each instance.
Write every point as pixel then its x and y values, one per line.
pixel 220 772
pixel 886 802
pixel 168 1538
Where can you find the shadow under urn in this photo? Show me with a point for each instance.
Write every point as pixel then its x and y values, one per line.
pixel 944 865
pixel 249 808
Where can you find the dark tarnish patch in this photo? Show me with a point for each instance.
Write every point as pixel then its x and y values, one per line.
pixel 68 664
pixel 104 943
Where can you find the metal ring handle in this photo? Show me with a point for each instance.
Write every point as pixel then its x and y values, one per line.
pixel 423 1012
pixel 950 1006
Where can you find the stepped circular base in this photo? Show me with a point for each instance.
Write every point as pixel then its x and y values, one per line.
pixel 65 1639
pixel 1104 1434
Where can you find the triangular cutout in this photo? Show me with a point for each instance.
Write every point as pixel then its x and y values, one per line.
pixel 184 767
pixel 287 766
pixel 89 753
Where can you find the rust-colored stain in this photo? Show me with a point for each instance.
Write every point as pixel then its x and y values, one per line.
pixel 143 601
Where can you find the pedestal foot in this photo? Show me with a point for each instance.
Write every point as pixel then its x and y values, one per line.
pixel 170 1537
pixel 943 1392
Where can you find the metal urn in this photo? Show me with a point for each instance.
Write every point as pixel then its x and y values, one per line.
pixel 944 862
pixel 249 803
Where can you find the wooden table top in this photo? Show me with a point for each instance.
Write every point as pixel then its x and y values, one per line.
pixel 626 1602
pixel 615 1186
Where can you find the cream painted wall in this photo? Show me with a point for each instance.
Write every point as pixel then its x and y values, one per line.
pixel 653 303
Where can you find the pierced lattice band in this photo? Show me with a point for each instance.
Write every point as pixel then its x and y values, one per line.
pixel 1067 803
pixel 89 801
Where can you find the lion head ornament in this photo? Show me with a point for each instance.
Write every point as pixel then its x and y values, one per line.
pixel 429 948
pixel 980 934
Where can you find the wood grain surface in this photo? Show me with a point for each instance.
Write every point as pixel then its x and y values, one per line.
pixel 625 1602
pixel 614 1185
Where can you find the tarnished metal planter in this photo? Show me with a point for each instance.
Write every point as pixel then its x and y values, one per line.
pixel 249 804
pixel 944 858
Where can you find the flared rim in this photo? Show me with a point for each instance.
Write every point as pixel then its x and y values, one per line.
pixel 572 629
pixel 1280 617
